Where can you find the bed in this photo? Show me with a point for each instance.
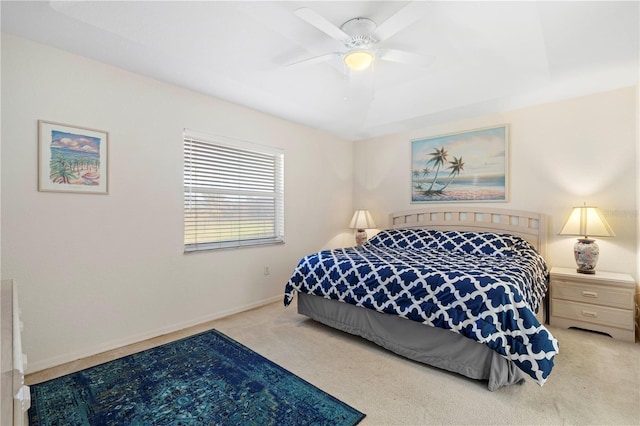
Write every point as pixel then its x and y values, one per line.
pixel 461 289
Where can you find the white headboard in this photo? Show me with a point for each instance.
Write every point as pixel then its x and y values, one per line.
pixel 530 226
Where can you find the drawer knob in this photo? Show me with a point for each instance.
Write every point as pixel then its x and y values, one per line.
pixel 589 294
pixel 589 314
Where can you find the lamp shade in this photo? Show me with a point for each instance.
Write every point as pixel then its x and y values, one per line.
pixel 362 220
pixel 587 221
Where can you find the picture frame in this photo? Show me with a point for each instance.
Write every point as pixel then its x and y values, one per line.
pixel 72 159
pixel 469 166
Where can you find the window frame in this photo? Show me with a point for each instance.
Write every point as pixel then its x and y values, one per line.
pixel 208 187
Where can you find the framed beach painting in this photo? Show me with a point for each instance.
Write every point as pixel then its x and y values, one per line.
pixel 72 159
pixel 466 166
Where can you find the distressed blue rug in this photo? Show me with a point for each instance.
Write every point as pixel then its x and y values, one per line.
pixel 206 379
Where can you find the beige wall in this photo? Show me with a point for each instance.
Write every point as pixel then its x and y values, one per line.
pixel 96 272
pixel 561 155
pixel 99 271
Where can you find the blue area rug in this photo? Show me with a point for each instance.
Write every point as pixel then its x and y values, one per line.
pixel 206 379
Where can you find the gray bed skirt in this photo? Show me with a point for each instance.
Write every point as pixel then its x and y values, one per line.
pixel 429 345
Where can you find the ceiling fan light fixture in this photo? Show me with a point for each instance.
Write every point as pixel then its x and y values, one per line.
pixel 358 60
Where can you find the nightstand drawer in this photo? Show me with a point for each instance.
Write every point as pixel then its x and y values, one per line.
pixel 601 315
pixel 595 294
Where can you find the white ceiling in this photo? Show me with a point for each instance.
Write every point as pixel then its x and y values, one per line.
pixel 488 56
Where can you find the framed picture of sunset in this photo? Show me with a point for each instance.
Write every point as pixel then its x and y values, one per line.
pixel 466 166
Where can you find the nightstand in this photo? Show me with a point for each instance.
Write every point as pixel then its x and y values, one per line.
pixel 601 302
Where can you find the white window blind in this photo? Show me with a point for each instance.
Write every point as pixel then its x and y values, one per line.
pixel 233 193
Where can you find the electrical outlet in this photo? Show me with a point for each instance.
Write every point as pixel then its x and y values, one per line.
pixel 266 270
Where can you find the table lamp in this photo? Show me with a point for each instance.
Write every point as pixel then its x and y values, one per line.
pixel 361 220
pixel 586 221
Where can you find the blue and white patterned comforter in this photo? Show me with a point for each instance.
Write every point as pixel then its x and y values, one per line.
pixel 483 286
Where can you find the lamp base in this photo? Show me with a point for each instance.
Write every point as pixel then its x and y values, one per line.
pixel 586 253
pixel 361 237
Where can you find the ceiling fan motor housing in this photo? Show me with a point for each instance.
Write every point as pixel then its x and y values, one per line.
pixel 360 30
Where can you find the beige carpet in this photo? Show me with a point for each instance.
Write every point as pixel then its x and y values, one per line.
pixel 596 380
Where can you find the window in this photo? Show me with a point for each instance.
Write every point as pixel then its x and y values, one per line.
pixel 233 193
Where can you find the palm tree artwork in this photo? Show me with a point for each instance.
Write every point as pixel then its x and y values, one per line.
pixel 416 174
pixel 61 170
pixel 72 158
pixel 456 166
pixel 75 159
pixel 439 172
pixel 438 158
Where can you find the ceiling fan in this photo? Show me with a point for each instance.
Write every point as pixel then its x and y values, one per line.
pixel 361 38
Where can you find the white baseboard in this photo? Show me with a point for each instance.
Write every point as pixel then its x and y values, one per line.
pixel 118 343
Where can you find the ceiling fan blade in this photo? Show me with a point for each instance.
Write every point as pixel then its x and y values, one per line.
pixel 403 57
pixel 402 19
pixel 313 18
pixel 315 59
